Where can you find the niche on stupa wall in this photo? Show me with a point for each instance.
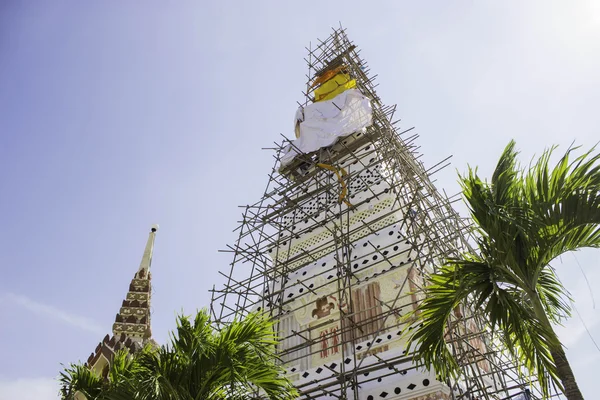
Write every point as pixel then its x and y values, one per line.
pixel 381 306
pixel 325 329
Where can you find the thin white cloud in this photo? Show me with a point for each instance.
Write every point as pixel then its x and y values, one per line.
pixel 574 330
pixel 29 389
pixel 48 311
pixel 581 284
pixel 582 323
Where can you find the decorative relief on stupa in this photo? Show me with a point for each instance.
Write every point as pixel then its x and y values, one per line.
pixel 322 307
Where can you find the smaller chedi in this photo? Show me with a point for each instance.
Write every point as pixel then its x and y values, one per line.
pixel 131 329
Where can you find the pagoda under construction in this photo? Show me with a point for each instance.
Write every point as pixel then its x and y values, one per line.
pixel 338 249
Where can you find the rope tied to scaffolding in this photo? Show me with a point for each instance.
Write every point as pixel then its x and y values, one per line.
pixel 341 174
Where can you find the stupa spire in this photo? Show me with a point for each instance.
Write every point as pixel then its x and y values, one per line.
pixel 133 319
pixel 131 328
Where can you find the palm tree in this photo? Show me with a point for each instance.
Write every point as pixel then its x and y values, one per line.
pixel 78 380
pixel 237 362
pixel 523 220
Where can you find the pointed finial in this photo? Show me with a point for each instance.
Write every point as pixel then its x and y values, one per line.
pixel 147 257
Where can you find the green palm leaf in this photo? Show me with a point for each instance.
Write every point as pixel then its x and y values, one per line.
pixel 523 220
pixel 199 363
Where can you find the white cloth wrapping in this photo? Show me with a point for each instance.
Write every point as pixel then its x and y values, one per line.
pixel 323 122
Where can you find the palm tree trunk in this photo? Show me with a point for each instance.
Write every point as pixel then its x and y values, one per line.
pixel 563 368
pixel 565 374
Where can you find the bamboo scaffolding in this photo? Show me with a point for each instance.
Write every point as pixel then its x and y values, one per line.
pixel 269 252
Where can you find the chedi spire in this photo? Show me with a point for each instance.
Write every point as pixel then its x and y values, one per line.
pixel 133 318
pixel 131 328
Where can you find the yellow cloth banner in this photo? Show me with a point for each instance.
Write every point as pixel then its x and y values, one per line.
pixel 336 85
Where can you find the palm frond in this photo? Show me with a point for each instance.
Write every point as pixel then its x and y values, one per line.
pixel 452 285
pixel 566 200
pixel 554 296
pixel 524 219
pixel 505 177
pixel 79 378
pixel 199 363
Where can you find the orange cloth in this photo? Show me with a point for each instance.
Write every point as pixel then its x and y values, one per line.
pixel 327 75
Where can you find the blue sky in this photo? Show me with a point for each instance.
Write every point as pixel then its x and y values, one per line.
pixel 115 115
